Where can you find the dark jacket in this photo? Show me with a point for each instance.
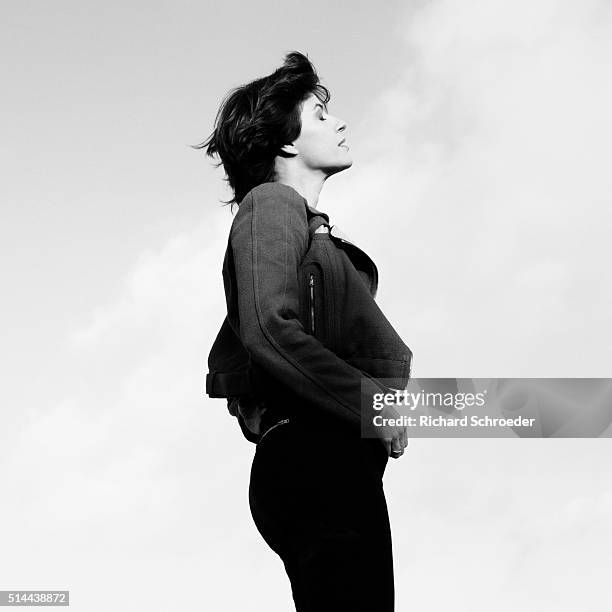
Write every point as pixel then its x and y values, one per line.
pixel 302 329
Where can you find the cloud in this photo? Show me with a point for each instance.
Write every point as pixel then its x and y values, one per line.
pixel 483 188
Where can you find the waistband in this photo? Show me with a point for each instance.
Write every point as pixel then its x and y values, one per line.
pixel 347 441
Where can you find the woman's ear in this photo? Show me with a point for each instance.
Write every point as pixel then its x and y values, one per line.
pixel 289 149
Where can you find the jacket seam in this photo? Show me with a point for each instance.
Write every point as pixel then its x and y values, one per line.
pixel 377 358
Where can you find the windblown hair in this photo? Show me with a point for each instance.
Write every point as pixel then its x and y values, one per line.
pixel 256 119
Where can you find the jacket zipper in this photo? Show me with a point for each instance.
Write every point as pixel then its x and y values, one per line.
pixel 312 303
pixel 265 433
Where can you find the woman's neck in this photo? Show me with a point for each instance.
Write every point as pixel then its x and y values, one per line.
pixel 308 186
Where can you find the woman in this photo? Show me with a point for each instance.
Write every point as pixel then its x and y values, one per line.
pixel 301 351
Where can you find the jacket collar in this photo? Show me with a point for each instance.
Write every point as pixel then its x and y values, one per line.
pixel 313 212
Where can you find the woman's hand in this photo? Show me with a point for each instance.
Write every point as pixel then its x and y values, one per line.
pixel 393 437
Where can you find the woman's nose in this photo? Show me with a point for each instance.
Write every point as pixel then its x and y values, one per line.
pixel 342 125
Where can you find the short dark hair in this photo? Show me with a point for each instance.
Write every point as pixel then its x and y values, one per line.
pixel 256 119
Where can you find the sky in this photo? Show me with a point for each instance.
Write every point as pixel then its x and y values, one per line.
pixel 481 188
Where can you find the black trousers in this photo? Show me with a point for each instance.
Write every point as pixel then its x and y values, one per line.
pixel 316 496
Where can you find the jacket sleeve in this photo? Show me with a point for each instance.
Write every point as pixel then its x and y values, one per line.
pixel 268 240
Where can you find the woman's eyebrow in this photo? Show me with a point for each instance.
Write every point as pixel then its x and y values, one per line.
pixel 319 104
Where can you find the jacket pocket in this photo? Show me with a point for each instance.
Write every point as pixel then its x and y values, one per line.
pixel 314 309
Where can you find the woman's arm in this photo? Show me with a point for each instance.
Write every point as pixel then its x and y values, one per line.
pixel 268 240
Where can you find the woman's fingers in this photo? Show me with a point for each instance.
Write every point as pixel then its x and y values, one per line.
pixel 396 448
pixel 404 437
pixel 398 443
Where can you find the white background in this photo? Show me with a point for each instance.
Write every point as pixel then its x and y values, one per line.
pixel 480 133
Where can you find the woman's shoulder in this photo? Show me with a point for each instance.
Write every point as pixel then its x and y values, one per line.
pixel 272 198
pixel 275 190
pixel 272 209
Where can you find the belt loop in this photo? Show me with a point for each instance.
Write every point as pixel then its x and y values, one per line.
pixel 210 381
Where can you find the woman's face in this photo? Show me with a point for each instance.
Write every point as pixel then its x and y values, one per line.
pixel 320 144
